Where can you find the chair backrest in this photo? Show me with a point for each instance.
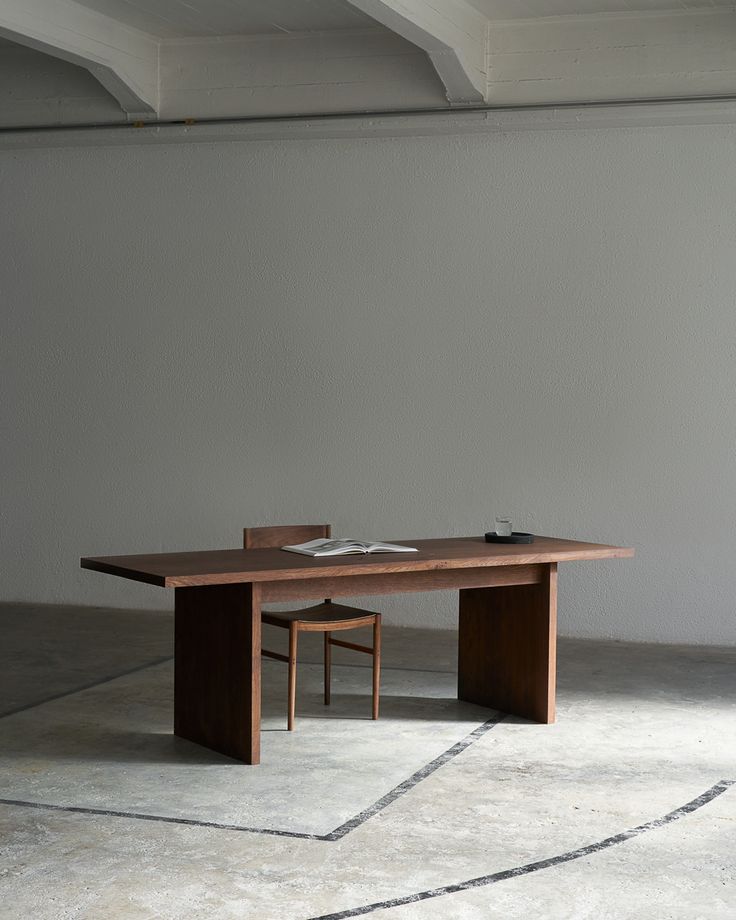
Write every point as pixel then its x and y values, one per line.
pixel 282 535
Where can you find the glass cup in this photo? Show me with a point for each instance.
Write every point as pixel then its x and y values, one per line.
pixel 503 527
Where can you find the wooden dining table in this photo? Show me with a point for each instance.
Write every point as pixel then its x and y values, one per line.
pixel 507 620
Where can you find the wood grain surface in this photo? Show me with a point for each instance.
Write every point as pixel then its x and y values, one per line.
pixel 229 566
pixel 440 579
pixel 217 669
pixel 508 611
pixel 507 649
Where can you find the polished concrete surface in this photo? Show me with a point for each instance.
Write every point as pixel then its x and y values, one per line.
pixel 441 810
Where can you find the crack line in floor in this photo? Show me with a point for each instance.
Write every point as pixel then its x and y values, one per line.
pixel 415 778
pixel 337 834
pixel 718 789
pixel 342 830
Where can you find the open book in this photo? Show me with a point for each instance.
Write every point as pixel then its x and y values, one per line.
pixel 326 547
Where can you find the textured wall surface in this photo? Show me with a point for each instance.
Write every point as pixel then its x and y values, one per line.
pixel 404 337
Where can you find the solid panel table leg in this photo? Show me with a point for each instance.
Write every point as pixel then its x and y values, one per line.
pixel 508 647
pixel 217 669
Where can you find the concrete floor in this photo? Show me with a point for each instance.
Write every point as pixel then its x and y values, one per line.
pixel 439 811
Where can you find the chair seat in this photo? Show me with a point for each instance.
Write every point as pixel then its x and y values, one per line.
pixel 321 618
pixel 328 614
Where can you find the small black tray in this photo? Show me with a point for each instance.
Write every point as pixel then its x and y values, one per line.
pixel 493 537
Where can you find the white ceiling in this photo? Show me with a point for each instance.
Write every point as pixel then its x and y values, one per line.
pixel 182 18
pixel 171 19
pixel 532 9
pixel 338 60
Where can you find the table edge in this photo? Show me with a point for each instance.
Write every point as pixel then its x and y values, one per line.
pixel 601 551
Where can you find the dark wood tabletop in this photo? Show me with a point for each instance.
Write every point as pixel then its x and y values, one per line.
pixel 229 566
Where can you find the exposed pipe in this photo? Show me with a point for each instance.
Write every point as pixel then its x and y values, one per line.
pixel 390 113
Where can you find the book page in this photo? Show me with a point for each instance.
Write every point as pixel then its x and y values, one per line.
pixel 344 547
pixel 325 547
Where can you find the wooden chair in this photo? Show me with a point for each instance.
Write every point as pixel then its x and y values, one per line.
pixel 325 618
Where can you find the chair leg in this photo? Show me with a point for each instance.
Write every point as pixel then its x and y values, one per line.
pixel 293 633
pixel 328 667
pixel 376 663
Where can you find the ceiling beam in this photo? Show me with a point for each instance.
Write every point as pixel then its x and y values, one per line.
pixel 123 60
pixel 294 74
pixel 452 33
pixel 601 58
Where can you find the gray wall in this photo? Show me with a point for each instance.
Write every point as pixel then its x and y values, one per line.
pixel 401 336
